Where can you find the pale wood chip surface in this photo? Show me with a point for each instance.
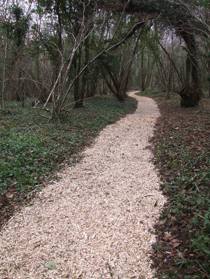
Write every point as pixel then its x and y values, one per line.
pixel 97 221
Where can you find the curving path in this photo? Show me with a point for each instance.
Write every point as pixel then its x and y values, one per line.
pixel 97 221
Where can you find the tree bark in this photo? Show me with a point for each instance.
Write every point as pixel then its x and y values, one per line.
pixel 78 98
pixel 191 94
pixel 4 77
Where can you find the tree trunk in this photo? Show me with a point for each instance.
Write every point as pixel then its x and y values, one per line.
pixel 84 86
pixel 142 72
pixel 77 93
pixel 191 94
pixel 208 66
pixel 4 77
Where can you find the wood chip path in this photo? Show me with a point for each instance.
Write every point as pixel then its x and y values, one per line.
pixel 97 222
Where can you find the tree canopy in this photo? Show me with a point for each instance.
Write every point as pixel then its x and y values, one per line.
pixel 78 38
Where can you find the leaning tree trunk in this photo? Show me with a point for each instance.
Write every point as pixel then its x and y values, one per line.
pixel 78 98
pixel 208 66
pixel 191 94
pixel 84 85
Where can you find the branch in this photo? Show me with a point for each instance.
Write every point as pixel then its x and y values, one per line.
pixel 113 47
pixel 171 60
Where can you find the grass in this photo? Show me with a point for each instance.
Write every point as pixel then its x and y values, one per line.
pixel 182 154
pixel 32 148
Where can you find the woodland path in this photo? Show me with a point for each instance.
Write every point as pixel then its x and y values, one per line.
pixel 97 221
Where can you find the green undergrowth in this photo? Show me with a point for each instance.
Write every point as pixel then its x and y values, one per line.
pixel 182 152
pixel 32 148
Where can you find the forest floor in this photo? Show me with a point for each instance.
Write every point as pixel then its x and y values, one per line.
pixel 98 220
pixel 32 148
pixel 182 155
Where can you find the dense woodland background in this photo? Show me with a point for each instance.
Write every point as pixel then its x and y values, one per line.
pixel 53 52
pixel 65 69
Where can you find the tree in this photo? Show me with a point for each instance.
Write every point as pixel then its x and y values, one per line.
pixel 182 17
pixel 59 52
